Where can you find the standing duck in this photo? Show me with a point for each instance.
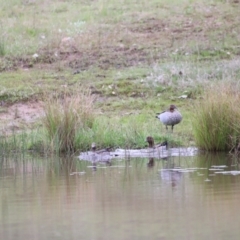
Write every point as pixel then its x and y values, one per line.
pixel 170 117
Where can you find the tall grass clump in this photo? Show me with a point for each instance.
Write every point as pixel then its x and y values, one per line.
pixel 216 118
pixel 64 115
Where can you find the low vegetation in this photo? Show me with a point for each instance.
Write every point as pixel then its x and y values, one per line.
pixel 135 57
pixel 72 123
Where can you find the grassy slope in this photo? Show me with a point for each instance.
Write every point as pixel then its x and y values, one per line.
pixel 129 52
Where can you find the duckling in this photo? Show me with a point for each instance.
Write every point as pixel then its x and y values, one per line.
pixel 101 155
pixel 170 117
pixel 151 144
pixel 150 141
pixel 104 150
pixel 93 146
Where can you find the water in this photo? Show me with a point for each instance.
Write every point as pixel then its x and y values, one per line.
pixel 178 198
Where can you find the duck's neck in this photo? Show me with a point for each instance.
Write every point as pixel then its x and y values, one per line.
pixel 151 144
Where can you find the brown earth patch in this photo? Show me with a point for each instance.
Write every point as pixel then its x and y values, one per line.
pixel 109 57
pixel 149 25
pixel 143 40
pixel 18 115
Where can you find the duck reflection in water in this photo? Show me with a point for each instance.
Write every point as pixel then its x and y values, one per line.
pixel 169 174
pixel 94 165
pixel 100 156
pixel 150 162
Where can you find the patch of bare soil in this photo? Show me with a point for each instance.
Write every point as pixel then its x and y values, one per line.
pixel 109 57
pixel 18 115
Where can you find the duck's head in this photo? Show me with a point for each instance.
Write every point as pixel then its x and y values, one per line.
pixel 172 108
pixel 93 146
pixel 150 141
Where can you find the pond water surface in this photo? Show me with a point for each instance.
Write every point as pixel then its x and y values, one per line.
pixel 178 198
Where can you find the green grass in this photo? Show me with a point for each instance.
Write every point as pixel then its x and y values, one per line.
pixel 17 145
pixel 137 57
pixel 125 132
pixel 64 131
pixel 72 123
pixel 216 118
pixel 148 27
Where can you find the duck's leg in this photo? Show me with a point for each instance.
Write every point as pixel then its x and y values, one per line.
pixel 172 128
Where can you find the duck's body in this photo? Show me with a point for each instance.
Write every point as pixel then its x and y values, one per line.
pixel 151 143
pixel 170 117
pixel 99 151
pixel 95 156
pixel 153 150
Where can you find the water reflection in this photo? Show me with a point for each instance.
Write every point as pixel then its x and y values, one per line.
pixel 133 199
pixel 150 162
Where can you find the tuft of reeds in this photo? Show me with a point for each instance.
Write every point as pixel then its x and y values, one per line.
pixel 16 145
pixel 64 115
pixel 216 116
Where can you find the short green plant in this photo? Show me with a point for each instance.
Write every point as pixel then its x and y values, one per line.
pixel 124 132
pixel 64 115
pixel 216 118
pixel 16 144
pixel 2 48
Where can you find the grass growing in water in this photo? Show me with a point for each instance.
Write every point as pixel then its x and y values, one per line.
pixel 17 144
pixel 216 118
